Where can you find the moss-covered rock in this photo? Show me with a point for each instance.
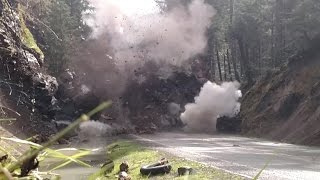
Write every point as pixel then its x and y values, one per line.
pixel 26 35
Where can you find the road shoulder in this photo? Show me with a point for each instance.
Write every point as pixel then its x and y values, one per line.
pixel 137 155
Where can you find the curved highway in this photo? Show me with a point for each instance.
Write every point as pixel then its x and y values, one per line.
pixel 241 155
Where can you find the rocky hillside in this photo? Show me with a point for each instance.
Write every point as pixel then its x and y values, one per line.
pixel 26 91
pixel 157 103
pixel 285 105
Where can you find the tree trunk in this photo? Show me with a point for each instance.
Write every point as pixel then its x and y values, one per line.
pixel 231 11
pixel 229 65
pixel 212 69
pixel 273 56
pixel 232 45
pixel 234 61
pixel 219 66
pixel 259 56
pixel 210 58
pixel 225 67
pixel 279 39
pixel 244 60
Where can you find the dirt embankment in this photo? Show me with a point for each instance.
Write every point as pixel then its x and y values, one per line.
pixel 285 105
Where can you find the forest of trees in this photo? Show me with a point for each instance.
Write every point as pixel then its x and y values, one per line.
pixel 247 37
pixel 251 37
pixel 58 28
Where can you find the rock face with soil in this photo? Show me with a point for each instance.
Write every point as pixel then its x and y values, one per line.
pixel 229 124
pixel 153 104
pixel 285 105
pixel 27 93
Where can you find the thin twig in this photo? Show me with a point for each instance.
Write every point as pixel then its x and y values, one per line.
pixel 6 82
pixel 49 29
pixel 11 110
pixel 8 72
pixel 18 102
pixel 2 111
pixel 10 93
pixel 24 93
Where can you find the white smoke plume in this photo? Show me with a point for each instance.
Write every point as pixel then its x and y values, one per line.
pixel 91 129
pixel 138 31
pixel 213 101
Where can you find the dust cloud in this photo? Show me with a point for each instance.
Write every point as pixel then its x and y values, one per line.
pixel 213 101
pixel 145 32
pixel 94 129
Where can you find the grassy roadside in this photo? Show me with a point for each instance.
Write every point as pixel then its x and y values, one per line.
pixel 25 164
pixel 137 155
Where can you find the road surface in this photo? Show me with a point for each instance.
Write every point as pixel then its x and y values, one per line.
pixel 240 155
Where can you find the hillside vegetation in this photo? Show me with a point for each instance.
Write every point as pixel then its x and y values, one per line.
pixel 285 105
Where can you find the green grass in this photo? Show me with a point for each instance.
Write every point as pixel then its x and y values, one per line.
pixel 12 168
pixel 137 156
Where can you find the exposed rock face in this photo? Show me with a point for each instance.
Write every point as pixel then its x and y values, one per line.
pixel 75 97
pixel 229 125
pixel 25 88
pixel 286 105
pixel 156 102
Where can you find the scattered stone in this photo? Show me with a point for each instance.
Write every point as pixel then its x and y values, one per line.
pixel 3 158
pixel 124 176
pixel 185 171
pixel 229 124
pixel 62 124
pixel 105 117
pixel 29 165
pixel 153 127
pixel 163 161
pixel 63 141
pixel 124 166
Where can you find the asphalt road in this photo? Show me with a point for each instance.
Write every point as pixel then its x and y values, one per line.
pixel 240 155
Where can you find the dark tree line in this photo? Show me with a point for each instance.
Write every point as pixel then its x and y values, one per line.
pixel 58 27
pixel 251 37
pixel 247 37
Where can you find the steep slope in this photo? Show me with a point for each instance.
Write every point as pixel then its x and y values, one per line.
pixel 285 105
pixel 26 91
